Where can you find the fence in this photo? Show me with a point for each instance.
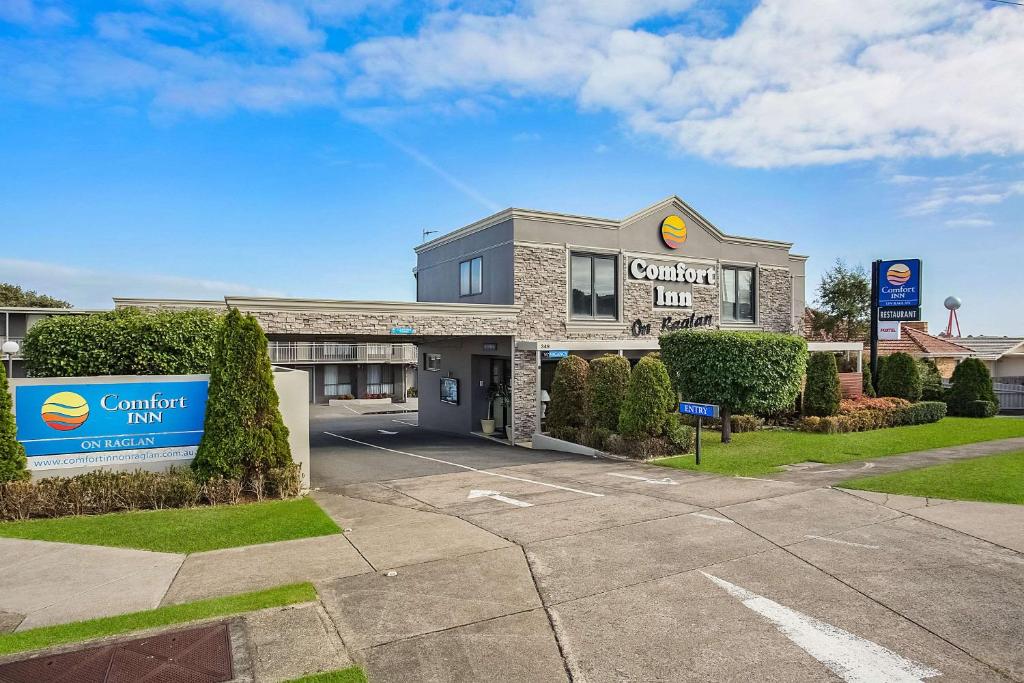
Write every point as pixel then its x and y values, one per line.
pixel 1010 396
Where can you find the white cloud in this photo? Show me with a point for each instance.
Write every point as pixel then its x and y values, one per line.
pixel 34 15
pixel 973 189
pixel 96 288
pixel 969 223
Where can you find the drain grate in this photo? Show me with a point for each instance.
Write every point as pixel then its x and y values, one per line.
pixel 195 655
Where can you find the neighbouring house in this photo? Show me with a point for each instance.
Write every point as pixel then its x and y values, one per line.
pixel 1004 356
pixel 915 340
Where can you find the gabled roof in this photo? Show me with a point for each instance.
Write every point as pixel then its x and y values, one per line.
pixel 919 343
pixel 993 348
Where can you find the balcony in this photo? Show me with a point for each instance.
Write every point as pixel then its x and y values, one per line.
pixel 337 352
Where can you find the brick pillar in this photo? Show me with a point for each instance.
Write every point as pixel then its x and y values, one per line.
pixel 524 393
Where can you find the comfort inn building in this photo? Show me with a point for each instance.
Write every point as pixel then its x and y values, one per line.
pixel 501 299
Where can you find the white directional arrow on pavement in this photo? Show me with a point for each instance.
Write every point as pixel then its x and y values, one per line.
pixel 384 431
pixel 495 495
pixel 663 480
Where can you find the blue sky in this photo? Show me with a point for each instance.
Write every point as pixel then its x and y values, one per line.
pixel 197 148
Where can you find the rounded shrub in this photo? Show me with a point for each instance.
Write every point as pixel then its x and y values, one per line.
pixel 821 393
pixel 12 453
pixel 649 397
pixel 971 382
pixel 931 380
pixel 900 377
pixel 567 410
pixel 743 372
pixel 609 377
pixel 679 435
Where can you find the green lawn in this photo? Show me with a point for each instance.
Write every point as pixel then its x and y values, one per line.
pixel 754 453
pixel 992 479
pixel 48 636
pixel 187 530
pixel 353 674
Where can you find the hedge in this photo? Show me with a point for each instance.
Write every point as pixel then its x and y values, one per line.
pixel 900 377
pixel 608 379
pixel 122 342
pixel 865 419
pixel 649 400
pixel 567 409
pixel 981 409
pixel 743 372
pixel 971 382
pixel 822 393
pixel 12 454
pixel 243 433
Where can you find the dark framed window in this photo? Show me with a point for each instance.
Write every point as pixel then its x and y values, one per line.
pixel 738 297
pixel 432 362
pixel 471 276
pixel 594 286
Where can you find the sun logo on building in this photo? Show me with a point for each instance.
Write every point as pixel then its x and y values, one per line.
pixel 898 274
pixel 65 411
pixel 673 231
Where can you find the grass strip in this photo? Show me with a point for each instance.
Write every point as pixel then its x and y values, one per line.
pixel 991 479
pixel 763 452
pixel 352 674
pixel 48 636
pixel 186 530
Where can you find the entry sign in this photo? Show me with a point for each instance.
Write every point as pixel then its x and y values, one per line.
pixel 899 283
pixel 698 409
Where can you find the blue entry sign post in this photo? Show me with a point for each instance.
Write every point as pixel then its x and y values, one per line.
pixel 700 410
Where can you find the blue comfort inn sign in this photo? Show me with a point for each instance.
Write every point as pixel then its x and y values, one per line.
pixel 69 423
pixel 899 283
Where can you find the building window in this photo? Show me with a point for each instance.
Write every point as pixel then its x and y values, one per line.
pixel 471 277
pixel 594 283
pixel 738 294
pixel 432 362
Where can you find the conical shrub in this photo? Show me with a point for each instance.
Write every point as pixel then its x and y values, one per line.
pixel 13 464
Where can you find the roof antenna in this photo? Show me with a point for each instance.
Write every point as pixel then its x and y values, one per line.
pixel 427 232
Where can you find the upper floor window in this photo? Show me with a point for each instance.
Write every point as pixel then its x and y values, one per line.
pixel 738 294
pixel 471 276
pixel 593 280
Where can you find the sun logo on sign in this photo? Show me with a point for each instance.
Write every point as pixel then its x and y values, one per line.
pixel 673 232
pixel 65 411
pixel 898 274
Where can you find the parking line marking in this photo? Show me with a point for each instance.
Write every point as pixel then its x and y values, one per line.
pixel 848 656
pixel 836 540
pixel 467 467
pixel 717 519
pixel 663 480
pixel 411 424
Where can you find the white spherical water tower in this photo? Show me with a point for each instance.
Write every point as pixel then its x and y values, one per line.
pixel 952 305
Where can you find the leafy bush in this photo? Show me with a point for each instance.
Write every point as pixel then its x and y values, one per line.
pixel 595 437
pixel 649 398
pixel 609 377
pixel 981 409
pixel 680 436
pixel 971 382
pixel 900 377
pixel 12 454
pixel 122 342
pixel 867 414
pixel 866 384
pixel 244 434
pixel 821 393
pixel 569 397
pixel 642 449
pixel 737 423
pixel 931 380
pixel 743 372
pixel 411 392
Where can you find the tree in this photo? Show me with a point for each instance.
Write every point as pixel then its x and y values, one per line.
pixel 743 372
pixel 609 377
pixel 900 377
pixel 971 382
pixel 649 398
pixel 844 296
pixel 14 295
pixel 822 393
pixel 12 453
pixel 244 434
pixel 567 410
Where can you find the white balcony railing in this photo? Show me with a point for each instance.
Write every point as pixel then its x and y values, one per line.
pixel 336 352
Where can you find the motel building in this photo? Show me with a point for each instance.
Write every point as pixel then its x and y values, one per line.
pixel 499 301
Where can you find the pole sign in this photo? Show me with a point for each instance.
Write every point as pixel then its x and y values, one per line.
pixel 899 283
pixel 74 423
pixel 899 314
pixel 698 409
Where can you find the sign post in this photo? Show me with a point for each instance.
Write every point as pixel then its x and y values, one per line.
pixel 700 410
pixel 895 296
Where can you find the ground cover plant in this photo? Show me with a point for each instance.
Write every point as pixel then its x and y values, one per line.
pixel 764 452
pixel 188 530
pixel 992 479
pixel 49 636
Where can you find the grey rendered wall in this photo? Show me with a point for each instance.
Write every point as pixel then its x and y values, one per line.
pixel 460 358
pixel 437 269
